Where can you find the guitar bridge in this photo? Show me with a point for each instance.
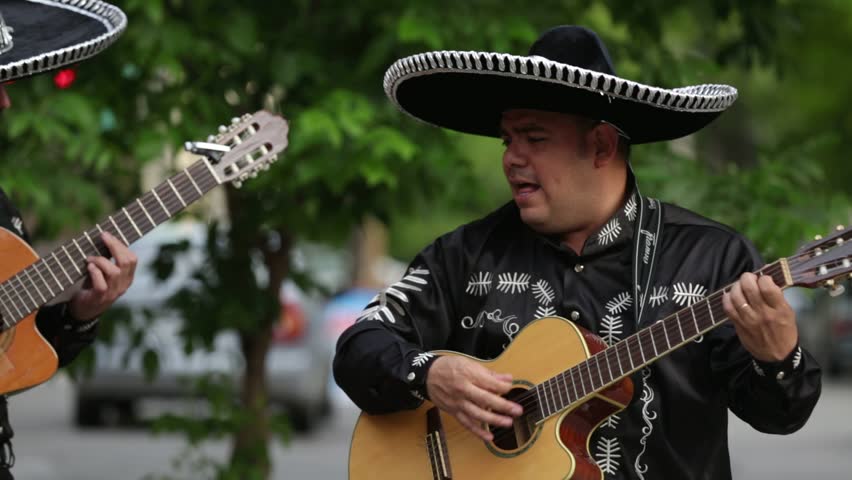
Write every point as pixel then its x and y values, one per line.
pixel 436 444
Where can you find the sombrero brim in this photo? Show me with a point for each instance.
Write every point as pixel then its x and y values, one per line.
pixel 50 34
pixel 468 92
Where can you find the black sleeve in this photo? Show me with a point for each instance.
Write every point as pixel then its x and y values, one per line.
pixel 66 335
pixel 771 397
pixel 382 360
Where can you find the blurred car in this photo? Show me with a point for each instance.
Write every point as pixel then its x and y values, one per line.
pixel 825 329
pixel 297 363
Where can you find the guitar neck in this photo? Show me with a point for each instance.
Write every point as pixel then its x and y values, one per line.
pixel 646 346
pixel 53 274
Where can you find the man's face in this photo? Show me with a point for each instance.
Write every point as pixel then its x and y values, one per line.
pixel 4 99
pixel 549 168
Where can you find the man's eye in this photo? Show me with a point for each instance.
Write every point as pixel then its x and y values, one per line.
pixel 535 139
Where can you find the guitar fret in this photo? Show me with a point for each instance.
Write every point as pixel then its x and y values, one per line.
pixel 118 230
pixel 574 386
pixel 586 376
pixel 666 333
pixel 86 234
pixel 540 404
pixel 145 211
pixel 27 291
pixel 547 400
pixel 710 309
pixel 598 359
pixel 70 281
pixel 641 350
pixel 618 360
pixel 608 366
pixel 200 193
pixel 8 316
pixel 138 232
pixel 82 253
pixel 11 300
pixel 653 342
pixel 697 328
pixel 73 263
pixel 629 355
pixel 212 172
pixel 680 327
pixel 55 278
pixel 168 214
pixel 169 181
pixel 33 283
pixel 52 295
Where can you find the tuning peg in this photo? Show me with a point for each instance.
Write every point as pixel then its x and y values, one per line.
pixel 839 228
pixel 246 116
pixel 253 174
pixel 235 120
pixel 817 237
pixel 222 129
pixel 265 166
pixel 237 183
pixel 836 290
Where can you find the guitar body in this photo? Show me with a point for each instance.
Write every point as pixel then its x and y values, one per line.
pixel 395 445
pixel 26 358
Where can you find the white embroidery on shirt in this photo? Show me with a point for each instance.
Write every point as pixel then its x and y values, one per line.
pixel 421 358
pixel 611 329
pixel 607 455
pixel 659 295
pixel 648 416
pixel 685 294
pixel 543 292
pixel 620 303
pixel 18 224
pixel 479 284
pixel 542 312
pixel 611 421
pixel 388 303
pixel 510 326
pixel 513 282
pixel 630 208
pixel 609 232
pixel 797 358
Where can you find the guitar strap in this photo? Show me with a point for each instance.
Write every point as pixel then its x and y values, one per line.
pixel 649 226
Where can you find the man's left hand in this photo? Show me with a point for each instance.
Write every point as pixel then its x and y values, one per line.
pixel 107 280
pixel 765 322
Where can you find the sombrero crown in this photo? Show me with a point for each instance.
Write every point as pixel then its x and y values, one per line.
pixel 568 69
pixel 41 35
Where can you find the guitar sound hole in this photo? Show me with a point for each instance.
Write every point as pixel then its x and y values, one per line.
pixel 516 436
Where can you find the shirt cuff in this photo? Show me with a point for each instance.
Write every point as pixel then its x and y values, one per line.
pixel 780 370
pixel 69 323
pixel 418 369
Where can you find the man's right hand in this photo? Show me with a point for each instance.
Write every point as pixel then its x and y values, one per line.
pixel 471 393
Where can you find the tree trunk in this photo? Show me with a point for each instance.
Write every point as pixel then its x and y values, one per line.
pixel 250 452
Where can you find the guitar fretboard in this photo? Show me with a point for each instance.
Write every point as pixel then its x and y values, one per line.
pixel 610 365
pixel 49 276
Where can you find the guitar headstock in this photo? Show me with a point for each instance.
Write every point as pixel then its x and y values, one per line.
pixel 824 262
pixel 245 147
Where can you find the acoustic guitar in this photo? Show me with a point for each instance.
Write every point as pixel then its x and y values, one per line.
pixel 239 151
pixel 569 382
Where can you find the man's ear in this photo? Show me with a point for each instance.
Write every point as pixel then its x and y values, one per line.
pixel 605 144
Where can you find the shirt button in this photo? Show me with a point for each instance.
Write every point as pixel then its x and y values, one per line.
pixel 780 376
pixel 411 376
pixel 579 267
pixel 575 315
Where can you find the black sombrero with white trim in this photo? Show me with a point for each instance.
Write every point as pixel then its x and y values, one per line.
pixel 41 35
pixel 568 70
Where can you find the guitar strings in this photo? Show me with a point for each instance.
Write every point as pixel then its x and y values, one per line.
pixel 183 184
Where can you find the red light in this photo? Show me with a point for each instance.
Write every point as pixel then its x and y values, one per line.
pixel 64 78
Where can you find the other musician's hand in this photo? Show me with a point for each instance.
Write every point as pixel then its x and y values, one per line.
pixel 765 322
pixel 106 282
pixel 471 393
